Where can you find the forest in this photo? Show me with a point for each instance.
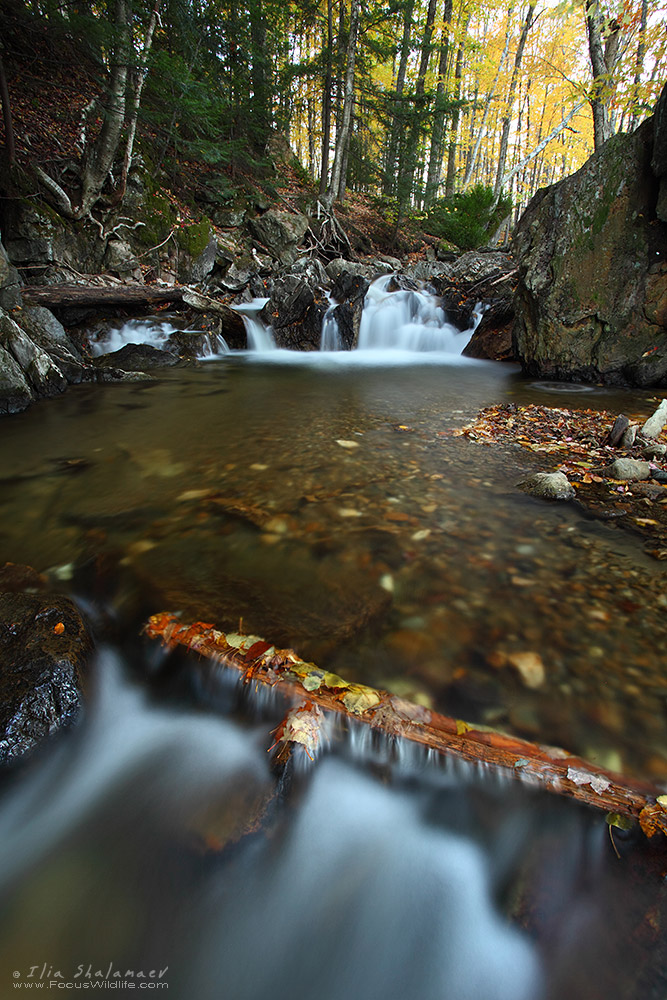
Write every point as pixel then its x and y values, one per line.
pixel 425 107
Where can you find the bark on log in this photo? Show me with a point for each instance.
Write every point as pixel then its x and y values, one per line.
pixel 312 688
pixel 55 296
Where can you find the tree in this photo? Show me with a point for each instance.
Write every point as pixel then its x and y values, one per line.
pixel 603 56
pixel 507 117
pixel 337 185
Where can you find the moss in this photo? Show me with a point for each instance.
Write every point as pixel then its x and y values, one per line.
pixel 194 239
pixel 159 218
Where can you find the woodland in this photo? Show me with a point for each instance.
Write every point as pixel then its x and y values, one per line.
pixel 449 112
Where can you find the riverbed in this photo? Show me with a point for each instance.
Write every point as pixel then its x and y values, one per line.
pixel 321 502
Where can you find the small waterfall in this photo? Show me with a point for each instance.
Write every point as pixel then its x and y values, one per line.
pixel 331 339
pixel 260 336
pixel 408 320
pixel 158 333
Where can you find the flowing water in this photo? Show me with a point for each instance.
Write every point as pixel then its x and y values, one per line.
pixel 321 499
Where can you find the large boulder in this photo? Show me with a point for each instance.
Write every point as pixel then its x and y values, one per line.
pixel 15 393
pixel 280 233
pixel 592 296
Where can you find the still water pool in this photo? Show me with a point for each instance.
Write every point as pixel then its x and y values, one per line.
pixel 321 501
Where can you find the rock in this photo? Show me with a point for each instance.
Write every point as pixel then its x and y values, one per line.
pixel 49 334
pixel 529 666
pixel 120 259
pixel 480 277
pixel 41 373
pixel 10 283
pixel 295 311
pixel 548 486
pixel 615 435
pixel 592 296
pixel 189 344
pixel 492 339
pixel 229 322
pixel 655 423
pixel 15 393
pixel 36 235
pixel 136 358
pixel 628 470
pixel 659 158
pixel 340 266
pixel 280 233
pixel 44 650
pixel 629 435
pixel 204 263
pixel 655 450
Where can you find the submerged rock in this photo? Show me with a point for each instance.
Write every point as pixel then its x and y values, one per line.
pixel 137 358
pixel 44 649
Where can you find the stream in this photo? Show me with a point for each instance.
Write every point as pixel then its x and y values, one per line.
pixel 321 501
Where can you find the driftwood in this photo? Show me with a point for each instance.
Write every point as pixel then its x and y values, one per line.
pixel 316 692
pixel 55 296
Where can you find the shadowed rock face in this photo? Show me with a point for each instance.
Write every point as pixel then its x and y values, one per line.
pixel 592 296
pixel 44 646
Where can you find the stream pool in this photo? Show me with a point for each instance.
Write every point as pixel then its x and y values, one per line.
pixel 321 501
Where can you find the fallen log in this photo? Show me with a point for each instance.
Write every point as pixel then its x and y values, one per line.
pixel 92 296
pixel 315 690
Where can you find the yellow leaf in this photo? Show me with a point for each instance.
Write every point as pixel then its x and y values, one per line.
pixel 359 699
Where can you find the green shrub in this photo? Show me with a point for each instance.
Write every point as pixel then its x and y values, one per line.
pixel 468 219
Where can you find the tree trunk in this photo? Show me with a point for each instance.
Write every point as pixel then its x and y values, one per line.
pixel 100 157
pixel 639 65
pixel 140 79
pixel 487 104
pixel 397 124
pixel 601 89
pixel 407 173
pixel 259 78
pixel 540 146
pixel 507 117
pixel 326 101
pixel 456 115
pixel 342 138
pixel 10 144
pixel 305 685
pixel 439 112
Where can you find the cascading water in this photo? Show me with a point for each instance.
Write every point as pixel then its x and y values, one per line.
pixel 408 320
pixel 260 336
pixel 157 333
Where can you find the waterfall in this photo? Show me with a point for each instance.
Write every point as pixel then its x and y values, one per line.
pixel 408 320
pixel 260 336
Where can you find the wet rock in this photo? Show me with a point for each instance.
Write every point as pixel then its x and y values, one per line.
pixel 480 277
pixel 350 291
pixel 15 393
pixel 341 266
pixel 44 650
pixel 41 373
pixel 136 358
pixel 529 666
pixel 295 311
pixel 548 486
pixel 628 470
pixel 615 435
pixel 190 345
pixel 49 334
pixel 492 340
pixel 592 296
pixel 10 283
pixel 402 283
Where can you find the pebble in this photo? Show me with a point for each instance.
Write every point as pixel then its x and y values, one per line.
pixel 530 667
pixel 347 444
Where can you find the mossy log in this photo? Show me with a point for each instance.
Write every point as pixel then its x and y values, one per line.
pixel 315 690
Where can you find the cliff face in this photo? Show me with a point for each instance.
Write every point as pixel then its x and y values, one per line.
pixel 592 250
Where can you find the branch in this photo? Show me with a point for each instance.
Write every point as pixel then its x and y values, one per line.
pixel 63 203
pixel 540 146
pixel 308 686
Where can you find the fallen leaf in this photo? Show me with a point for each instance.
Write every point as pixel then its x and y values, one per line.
pixel 59 628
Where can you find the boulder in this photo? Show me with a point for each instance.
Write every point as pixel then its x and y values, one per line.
pixel 548 486
pixel 349 290
pixel 480 277
pixel 38 368
pixel 492 340
pixel 136 358
pixel 44 650
pixel 280 233
pixel 15 393
pixel 10 283
pixel 629 470
pixel 592 296
pixel 121 259
pixel 295 311
pixel 48 333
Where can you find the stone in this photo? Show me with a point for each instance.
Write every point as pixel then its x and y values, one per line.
pixel 529 666
pixel 628 470
pixel 10 283
pixel 295 312
pixel 280 233
pixel 15 393
pixel 49 334
pixel 477 278
pixel 548 486
pixel 340 266
pixel 655 423
pixel 655 450
pixel 136 358
pixel 591 300
pixel 44 650
pixel 492 339
pixel 120 259
pixel 204 263
pixel 40 371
